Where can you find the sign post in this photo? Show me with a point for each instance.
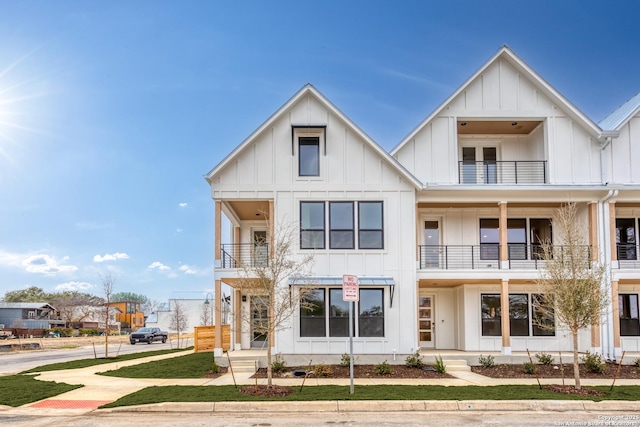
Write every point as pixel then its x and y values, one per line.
pixel 351 294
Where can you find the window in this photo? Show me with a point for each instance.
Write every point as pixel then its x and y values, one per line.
pixel 489 239
pixel 342 225
pixel 519 319
pixel 312 316
pixel 626 238
pixel 517 238
pixel 312 225
pixel 628 307
pixel 341 234
pixel 309 156
pixel 31 315
pixel 318 319
pixel 370 225
pixel 540 233
pixel 371 313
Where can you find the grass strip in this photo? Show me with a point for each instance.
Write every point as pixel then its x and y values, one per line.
pixel 159 394
pixel 194 365
pixel 18 390
pixel 83 363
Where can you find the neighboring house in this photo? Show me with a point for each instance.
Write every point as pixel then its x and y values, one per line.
pixel 444 232
pixel 29 315
pixel 129 312
pixel 97 314
pixel 196 311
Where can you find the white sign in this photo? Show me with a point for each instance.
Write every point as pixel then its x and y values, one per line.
pixel 350 288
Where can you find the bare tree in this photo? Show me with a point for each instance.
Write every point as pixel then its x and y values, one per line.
pixel 108 283
pixel 265 276
pixel 178 320
pixel 205 314
pixel 571 285
pixel 74 306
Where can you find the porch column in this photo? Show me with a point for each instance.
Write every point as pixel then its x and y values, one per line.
pixel 615 308
pixel 237 319
pixel 502 225
pixel 272 221
pixel 418 312
pixel 218 234
pixel 504 318
pixel 218 322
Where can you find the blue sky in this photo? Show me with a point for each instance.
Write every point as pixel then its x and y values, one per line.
pixel 111 112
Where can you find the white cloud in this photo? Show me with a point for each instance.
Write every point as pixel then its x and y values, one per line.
pixel 110 257
pixel 45 264
pixel 159 266
pixel 178 230
pixel 186 269
pixel 11 260
pixel 74 286
pixel 182 205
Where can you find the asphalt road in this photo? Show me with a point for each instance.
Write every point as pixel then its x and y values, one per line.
pixel 14 362
pixel 320 419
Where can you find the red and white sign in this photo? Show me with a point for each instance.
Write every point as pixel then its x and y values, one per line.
pixel 350 288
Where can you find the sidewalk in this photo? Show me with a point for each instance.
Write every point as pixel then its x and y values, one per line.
pixel 99 390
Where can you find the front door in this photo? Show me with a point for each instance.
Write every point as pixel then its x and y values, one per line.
pixel 432 249
pixel 259 316
pixel 425 319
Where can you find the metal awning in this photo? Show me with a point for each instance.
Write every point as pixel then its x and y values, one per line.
pixel 363 281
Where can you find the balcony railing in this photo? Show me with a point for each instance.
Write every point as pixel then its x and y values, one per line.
pixel 487 256
pixel 244 255
pixel 628 256
pixel 503 172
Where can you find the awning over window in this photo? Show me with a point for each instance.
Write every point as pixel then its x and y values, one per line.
pixel 363 281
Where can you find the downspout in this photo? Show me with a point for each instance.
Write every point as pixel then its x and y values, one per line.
pixel 604 238
pixel 602 160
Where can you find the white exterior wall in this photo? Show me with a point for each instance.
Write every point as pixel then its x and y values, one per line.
pixel 624 154
pixel 502 93
pixel 192 309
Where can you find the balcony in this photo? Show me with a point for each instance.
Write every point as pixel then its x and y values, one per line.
pixel 503 172
pixel 244 255
pixel 486 256
pixel 628 256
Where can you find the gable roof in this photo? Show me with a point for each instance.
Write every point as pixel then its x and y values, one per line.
pixel 26 305
pixel 506 53
pixel 309 89
pixel 620 116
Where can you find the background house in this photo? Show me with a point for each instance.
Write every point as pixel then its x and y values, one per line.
pixel 29 317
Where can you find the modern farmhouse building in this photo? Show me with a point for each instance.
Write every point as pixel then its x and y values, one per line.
pixel 444 232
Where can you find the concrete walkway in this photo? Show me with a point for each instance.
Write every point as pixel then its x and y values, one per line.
pixel 99 390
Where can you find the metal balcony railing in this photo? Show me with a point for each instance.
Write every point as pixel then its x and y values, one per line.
pixel 532 257
pixel 459 257
pixel 628 256
pixel 503 172
pixel 241 255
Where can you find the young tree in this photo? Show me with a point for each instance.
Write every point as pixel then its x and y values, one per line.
pixel 108 283
pixel 264 277
pixel 178 320
pixel 571 285
pixel 205 314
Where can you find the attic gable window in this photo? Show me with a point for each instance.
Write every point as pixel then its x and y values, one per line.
pixel 309 156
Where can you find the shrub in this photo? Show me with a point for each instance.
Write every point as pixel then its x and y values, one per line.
pixel 529 368
pixel 346 360
pixel 594 362
pixel 383 368
pixel 278 364
pixel 440 366
pixel 544 358
pixel 487 361
pixel 215 369
pixel 322 370
pixel 636 363
pixel 414 360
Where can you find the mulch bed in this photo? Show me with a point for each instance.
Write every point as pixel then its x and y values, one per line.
pixel 266 391
pixel 569 389
pixel 223 370
pixel 554 371
pixel 359 371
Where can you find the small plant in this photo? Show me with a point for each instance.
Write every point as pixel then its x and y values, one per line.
pixel 487 361
pixel 594 363
pixel 322 370
pixel 636 363
pixel 215 369
pixel 414 360
pixel 544 358
pixel 345 362
pixel 529 368
pixel 278 364
pixel 383 368
pixel 440 366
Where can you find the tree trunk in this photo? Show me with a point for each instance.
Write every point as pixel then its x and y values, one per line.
pixel 576 366
pixel 269 372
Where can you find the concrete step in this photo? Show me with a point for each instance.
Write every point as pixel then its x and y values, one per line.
pixel 243 366
pixel 456 365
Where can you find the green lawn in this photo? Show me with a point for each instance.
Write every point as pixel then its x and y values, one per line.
pixel 83 363
pixel 374 392
pixel 18 390
pixel 193 365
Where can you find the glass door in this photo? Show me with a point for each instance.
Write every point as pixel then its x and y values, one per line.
pixel 425 319
pixel 259 316
pixel 260 248
pixel 431 251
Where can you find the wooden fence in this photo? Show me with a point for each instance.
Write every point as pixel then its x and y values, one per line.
pixel 204 338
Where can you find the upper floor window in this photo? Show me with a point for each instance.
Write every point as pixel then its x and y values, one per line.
pixel 626 238
pixel 525 238
pixel 309 156
pixel 345 217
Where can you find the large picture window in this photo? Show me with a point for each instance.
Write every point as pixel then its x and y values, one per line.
pixel 519 315
pixel 311 225
pixel 543 323
pixel 491 315
pixel 309 156
pixel 628 307
pixel 521 232
pixel 341 234
pixel 312 315
pixel 370 225
pixel 521 324
pixel 371 313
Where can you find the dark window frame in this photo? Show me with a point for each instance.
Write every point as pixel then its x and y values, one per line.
pixel 378 231
pixel 312 320
pixel 304 169
pixel 312 231
pixel 629 325
pixel 334 231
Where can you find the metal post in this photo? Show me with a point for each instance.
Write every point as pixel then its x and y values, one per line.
pixel 351 347
pixel 211 304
